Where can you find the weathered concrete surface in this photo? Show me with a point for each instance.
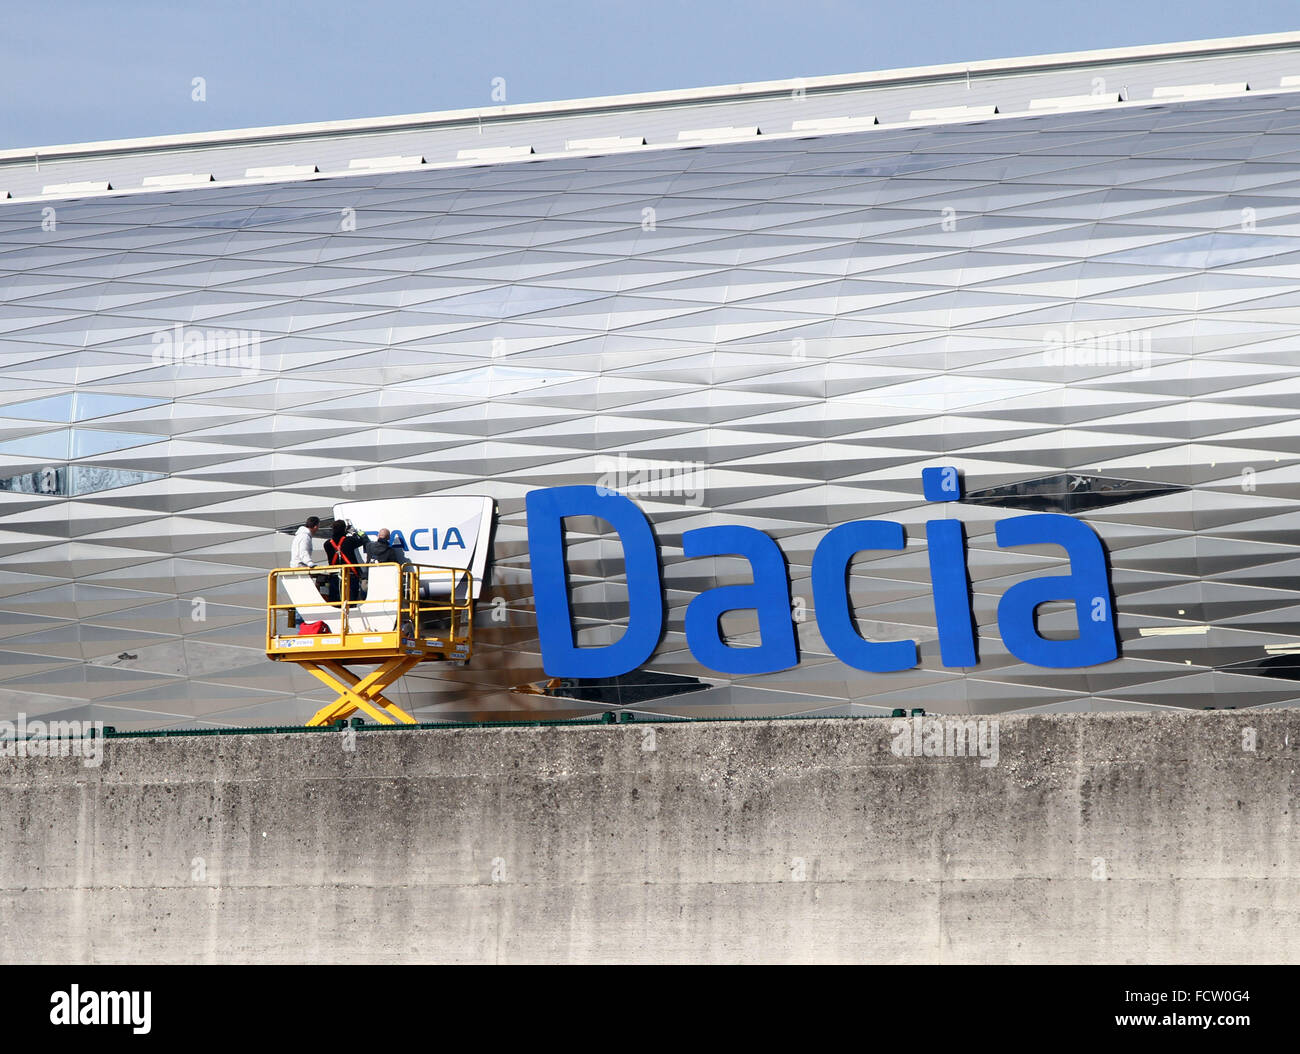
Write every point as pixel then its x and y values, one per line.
pixel 1100 837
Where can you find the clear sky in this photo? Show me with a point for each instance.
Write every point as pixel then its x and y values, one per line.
pixel 73 70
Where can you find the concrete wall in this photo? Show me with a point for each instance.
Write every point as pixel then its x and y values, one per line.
pixel 1100 837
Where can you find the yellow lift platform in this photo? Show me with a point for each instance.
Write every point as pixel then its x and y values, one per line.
pixel 406 614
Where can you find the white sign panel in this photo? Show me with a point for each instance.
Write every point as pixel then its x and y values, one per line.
pixel 443 531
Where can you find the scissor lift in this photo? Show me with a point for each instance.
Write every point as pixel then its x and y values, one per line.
pixel 408 614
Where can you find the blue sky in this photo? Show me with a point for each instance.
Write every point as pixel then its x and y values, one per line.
pixel 72 71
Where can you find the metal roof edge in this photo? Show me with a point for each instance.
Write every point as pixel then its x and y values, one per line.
pixel 613 103
pixel 775 137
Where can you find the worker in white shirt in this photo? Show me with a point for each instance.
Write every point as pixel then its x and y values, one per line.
pixel 301 554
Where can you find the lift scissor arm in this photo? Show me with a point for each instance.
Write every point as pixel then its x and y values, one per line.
pixel 408 614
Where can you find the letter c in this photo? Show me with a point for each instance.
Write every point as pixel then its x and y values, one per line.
pixel 831 599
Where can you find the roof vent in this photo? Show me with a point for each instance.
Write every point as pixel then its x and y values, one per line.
pixel 1291 82
pixel 640 686
pixel 1284 665
pixel 280 171
pixel 694 135
pixel 605 142
pixel 493 153
pixel 89 187
pixel 1069 492
pixel 187 179
pixel 393 161
pixel 948 113
pixel 834 124
pixel 1069 102
pixel 1193 90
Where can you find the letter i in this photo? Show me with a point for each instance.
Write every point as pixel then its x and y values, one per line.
pixel 949 579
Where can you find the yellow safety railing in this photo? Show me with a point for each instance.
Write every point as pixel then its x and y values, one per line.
pixel 425 594
pixel 430 617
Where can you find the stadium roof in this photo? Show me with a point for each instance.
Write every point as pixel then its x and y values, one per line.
pixel 1162 75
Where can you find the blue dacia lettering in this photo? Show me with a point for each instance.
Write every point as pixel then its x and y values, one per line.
pixel 768 595
pixel 1087 586
pixel 830 571
pixel 451 539
pixel 561 657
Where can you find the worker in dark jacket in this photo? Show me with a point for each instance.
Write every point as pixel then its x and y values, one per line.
pixel 344 549
pixel 381 551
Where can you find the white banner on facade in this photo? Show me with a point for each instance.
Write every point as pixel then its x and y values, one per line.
pixel 436 531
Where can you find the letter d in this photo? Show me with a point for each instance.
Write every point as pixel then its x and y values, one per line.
pixel 547 510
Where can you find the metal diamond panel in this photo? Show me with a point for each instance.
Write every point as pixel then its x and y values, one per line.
pixel 786 333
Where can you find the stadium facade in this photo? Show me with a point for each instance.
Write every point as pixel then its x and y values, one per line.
pixel 1069 278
